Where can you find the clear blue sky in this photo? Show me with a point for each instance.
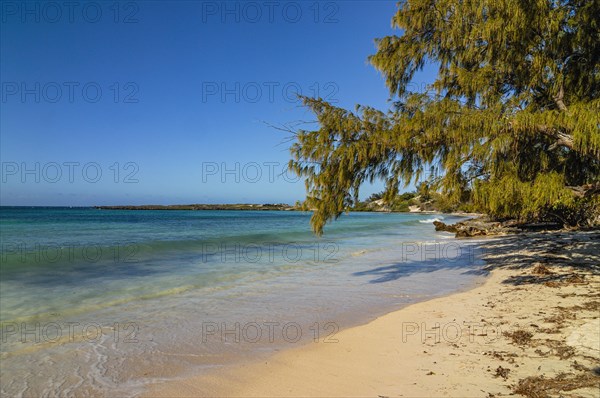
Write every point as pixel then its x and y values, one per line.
pixel 186 87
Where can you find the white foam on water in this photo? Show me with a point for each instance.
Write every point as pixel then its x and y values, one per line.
pixel 431 220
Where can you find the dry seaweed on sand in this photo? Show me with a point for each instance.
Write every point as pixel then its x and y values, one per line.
pixel 575 279
pixel 562 315
pixel 552 284
pixel 560 349
pixel 502 372
pixel 587 306
pixel 520 337
pixel 541 269
pixel 542 387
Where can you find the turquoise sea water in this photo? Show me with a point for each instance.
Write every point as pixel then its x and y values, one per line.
pixel 104 302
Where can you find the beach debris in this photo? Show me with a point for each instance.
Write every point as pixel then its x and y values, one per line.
pixel 589 306
pixel 541 387
pixel 520 337
pixel 552 284
pixel 550 330
pixel 502 372
pixel 560 349
pixel 575 279
pixel 562 315
pixel 541 269
pixel 502 355
pixel 577 366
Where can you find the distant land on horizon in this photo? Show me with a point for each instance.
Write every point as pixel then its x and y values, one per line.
pixel 238 206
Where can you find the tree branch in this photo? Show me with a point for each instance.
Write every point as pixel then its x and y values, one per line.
pixel 558 98
pixel 562 138
pixel 585 190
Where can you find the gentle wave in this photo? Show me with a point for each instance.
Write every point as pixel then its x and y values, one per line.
pixel 17 255
pixel 431 220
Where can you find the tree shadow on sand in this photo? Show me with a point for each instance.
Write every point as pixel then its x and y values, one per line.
pixel 467 259
pixel 550 258
pixel 575 251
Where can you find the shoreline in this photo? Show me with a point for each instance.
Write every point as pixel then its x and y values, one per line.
pixel 529 329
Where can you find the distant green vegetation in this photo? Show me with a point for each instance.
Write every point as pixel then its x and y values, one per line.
pixel 423 199
pixel 375 202
pixel 510 126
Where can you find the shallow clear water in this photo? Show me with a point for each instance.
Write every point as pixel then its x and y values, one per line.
pixel 103 302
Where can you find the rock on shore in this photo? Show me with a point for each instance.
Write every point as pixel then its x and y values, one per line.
pixel 477 227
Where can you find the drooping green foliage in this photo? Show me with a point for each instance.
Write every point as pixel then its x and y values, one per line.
pixel 512 118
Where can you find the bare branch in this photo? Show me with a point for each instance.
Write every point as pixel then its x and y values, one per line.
pixel 586 190
pixel 558 98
